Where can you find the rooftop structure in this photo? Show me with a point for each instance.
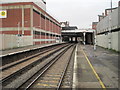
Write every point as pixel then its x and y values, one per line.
pixel 109 10
pixel 69 28
pixel 64 24
pixel 39 3
pixel 94 24
pixel 109 22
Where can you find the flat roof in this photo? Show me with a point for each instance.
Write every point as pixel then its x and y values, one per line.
pixel 29 3
pixel 78 30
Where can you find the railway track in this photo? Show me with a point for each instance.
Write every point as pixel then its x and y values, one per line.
pixel 23 54
pixel 18 66
pixel 68 77
pixel 10 80
pixel 5 67
pixel 52 75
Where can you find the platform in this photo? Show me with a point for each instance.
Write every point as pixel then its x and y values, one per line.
pixel 95 69
pixel 23 49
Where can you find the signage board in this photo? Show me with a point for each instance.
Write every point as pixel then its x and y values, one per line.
pixel 3 14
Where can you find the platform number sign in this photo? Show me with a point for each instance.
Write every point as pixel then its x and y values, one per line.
pixel 3 14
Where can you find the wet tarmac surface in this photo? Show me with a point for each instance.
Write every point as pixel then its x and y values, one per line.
pixel 105 63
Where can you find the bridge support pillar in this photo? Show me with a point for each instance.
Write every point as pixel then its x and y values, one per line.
pixel 84 34
pixel 75 39
pixel 71 39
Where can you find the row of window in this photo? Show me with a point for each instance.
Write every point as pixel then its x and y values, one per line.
pixel 42 33
pixel 45 17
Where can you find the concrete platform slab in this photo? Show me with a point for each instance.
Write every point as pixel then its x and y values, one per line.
pixel 105 63
pixel 88 85
pixel 23 49
pixel 83 76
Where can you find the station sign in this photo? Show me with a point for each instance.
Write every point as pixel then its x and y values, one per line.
pixel 3 14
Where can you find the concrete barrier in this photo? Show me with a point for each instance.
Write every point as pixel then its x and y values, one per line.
pixel 14 41
pixel 111 39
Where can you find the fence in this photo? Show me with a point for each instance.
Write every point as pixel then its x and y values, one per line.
pixel 111 39
pixel 14 41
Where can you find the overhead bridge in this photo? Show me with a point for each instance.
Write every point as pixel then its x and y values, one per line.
pixel 85 36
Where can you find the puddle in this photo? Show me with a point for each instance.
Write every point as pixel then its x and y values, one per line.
pixel 98 65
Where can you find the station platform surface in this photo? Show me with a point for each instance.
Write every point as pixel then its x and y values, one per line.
pixel 95 68
pixel 23 49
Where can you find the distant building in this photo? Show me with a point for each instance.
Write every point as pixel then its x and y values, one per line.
pixel 69 28
pixel 108 29
pixel 109 10
pixel 30 19
pixel 100 17
pixel 64 24
pixel 40 3
pixel 94 24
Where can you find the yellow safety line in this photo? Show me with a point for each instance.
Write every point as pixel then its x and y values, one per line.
pixel 101 83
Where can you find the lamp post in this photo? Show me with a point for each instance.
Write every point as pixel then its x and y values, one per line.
pixel 18 28
pixel 24 27
pixel 109 41
pixel 109 45
pixel 84 37
pixel 52 32
pixel 49 32
pixel 94 32
pixel 18 34
pixel 111 6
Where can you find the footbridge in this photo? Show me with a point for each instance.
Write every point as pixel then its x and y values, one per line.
pixel 86 36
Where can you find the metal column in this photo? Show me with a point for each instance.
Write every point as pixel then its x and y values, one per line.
pixel 75 39
pixel 84 34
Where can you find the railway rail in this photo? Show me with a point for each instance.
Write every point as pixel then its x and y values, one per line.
pixel 18 66
pixel 5 67
pixel 53 74
pixel 15 56
pixel 33 63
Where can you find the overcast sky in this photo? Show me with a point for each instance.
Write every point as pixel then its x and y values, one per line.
pixel 78 12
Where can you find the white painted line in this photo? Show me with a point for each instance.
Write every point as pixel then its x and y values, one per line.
pixel 75 69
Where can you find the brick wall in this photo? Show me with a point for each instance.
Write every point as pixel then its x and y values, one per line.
pixel 13 17
pixel 42 22
pixel 47 24
pixel 39 21
pixel 36 19
pixel 27 18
